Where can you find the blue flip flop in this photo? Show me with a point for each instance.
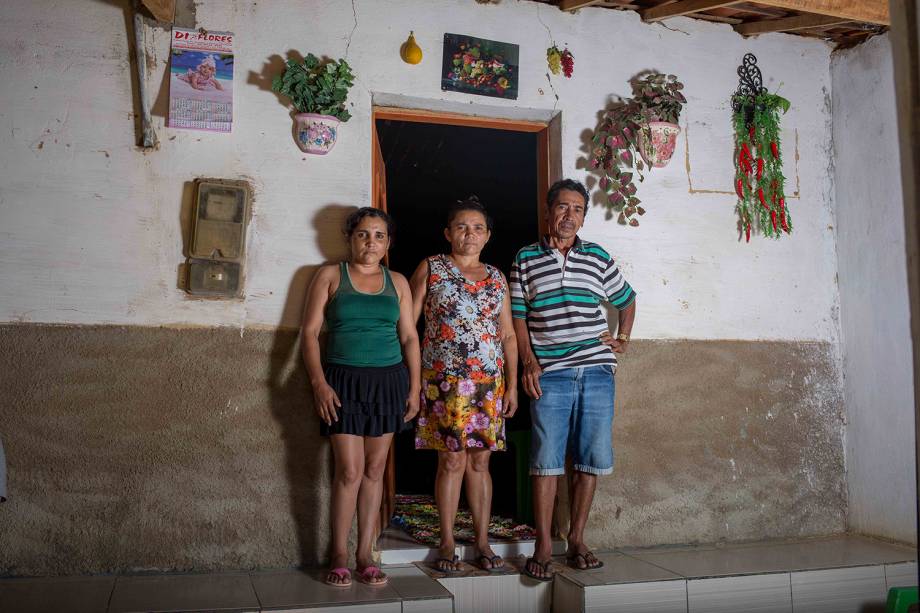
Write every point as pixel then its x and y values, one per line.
pixel 489 563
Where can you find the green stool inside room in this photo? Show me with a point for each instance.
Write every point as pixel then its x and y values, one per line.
pixel 900 599
pixel 520 444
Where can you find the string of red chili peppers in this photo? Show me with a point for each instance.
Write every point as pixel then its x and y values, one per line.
pixel 758 171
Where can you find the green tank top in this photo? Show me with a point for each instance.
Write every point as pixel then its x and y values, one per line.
pixel 362 327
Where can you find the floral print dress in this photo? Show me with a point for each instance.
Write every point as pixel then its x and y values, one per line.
pixel 462 361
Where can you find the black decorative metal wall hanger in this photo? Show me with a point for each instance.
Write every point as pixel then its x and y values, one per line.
pixel 750 85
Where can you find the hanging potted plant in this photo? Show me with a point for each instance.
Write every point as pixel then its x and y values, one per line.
pixel 645 124
pixel 759 180
pixel 662 101
pixel 317 90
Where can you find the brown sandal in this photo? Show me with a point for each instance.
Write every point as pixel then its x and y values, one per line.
pixel 545 566
pixel 572 561
pixel 448 570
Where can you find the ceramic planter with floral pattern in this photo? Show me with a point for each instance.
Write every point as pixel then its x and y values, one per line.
pixel 314 133
pixel 658 152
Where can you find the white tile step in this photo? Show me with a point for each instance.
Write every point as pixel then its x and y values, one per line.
pixel 402 550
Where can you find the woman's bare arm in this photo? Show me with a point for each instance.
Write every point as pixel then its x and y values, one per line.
pixel 509 345
pixel 324 284
pixel 408 338
pixel 419 285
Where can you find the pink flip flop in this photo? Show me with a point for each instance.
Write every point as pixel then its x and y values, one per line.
pixel 369 574
pixel 341 573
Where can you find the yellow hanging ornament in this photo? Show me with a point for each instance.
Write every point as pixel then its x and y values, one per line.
pixel 410 52
pixel 554 59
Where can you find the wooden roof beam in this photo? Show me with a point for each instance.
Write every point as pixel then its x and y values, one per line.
pixel 162 10
pixel 869 11
pixel 618 4
pixel 788 24
pixel 574 5
pixel 763 11
pixel 718 18
pixel 683 7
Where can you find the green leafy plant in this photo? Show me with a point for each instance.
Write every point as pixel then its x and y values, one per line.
pixel 659 96
pixel 759 180
pixel 619 138
pixel 316 86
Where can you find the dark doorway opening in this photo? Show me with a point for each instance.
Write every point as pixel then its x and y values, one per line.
pixel 428 165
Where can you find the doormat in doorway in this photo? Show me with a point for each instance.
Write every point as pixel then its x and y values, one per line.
pixel 418 517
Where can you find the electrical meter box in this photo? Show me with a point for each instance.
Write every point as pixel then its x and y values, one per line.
pixel 218 244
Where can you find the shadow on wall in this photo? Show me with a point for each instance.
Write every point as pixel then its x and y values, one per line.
pixel 275 66
pixel 309 484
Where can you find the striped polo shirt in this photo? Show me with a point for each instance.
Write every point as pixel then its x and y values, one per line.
pixel 560 297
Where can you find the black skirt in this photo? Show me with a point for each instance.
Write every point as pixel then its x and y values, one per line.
pixel 373 399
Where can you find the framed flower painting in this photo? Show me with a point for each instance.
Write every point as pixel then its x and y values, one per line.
pixel 478 66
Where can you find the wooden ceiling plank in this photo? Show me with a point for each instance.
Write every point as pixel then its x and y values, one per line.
pixel 574 5
pixel 764 11
pixel 618 4
pixel 718 18
pixel 683 7
pixel 869 11
pixel 788 24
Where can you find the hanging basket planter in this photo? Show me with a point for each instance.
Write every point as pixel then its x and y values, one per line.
pixel 656 145
pixel 759 180
pixel 315 133
pixel 318 91
pixel 635 135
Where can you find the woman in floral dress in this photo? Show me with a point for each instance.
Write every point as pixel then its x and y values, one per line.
pixel 469 374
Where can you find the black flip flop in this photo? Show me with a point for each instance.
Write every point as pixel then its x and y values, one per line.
pixel 544 565
pixel 491 563
pixel 572 561
pixel 446 571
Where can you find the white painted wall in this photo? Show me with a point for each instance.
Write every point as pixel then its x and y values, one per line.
pixel 90 226
pixel 874 314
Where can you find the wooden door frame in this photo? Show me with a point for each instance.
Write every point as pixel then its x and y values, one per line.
pixel 549 170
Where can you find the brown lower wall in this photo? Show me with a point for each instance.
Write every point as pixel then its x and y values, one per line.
pixel 158 448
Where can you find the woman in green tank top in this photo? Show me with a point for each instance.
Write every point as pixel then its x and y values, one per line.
pixel 366 387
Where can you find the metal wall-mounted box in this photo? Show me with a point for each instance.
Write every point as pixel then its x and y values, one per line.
pixel 213 278
pixel 221 212
pixel 218 243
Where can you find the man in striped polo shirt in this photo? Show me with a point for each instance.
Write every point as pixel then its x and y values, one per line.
pixel 569 359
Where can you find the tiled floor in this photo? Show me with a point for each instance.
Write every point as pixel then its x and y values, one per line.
pixel 408 589
pixel 742 559
pixel 835 574
pixel 219 591
pixel 71 594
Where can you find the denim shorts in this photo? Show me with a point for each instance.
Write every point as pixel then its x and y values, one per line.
pixel 574 415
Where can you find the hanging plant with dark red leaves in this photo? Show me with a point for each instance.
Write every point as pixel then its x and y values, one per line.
pixel 656 97
pixel 759 179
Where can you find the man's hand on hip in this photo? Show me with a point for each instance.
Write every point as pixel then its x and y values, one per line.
pixel 618 346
